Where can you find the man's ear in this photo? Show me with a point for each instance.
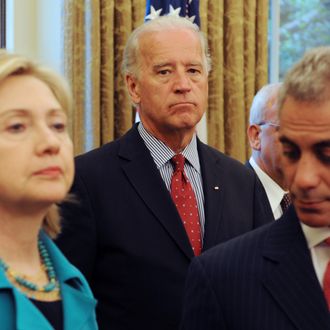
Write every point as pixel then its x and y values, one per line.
pixel 133 88
pixel 253 133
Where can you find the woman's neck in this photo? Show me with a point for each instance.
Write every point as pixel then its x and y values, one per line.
pixel 19 238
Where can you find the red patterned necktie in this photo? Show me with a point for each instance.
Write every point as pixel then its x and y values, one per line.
pixel 185 201
pixel 285 202
pixel 326 279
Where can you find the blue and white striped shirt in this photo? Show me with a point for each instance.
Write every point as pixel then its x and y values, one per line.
pixel 162 156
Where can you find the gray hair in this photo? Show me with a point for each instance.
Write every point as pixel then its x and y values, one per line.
pixel 162 23
pixel 309 79
pixel 261 102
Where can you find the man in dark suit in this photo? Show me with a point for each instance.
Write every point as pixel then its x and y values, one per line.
pixel 263 137
pixel 126 234
pixel 278 276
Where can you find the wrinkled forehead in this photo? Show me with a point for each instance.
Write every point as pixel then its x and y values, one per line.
pixel 180 42
pixel 305 122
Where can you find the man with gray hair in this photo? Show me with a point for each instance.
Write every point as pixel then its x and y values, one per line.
pixel 278 276
pixel 263 137
pixel 153 199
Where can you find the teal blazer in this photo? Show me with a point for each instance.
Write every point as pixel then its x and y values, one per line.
pixel 17 312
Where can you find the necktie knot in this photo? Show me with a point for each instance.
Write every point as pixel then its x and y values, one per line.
pixel 285 202
pixel 178 161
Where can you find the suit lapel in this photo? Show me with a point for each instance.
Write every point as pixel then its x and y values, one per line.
pixel 28 316
pixel 78 308
pixel 213 193
pixel 144 176
pixel 289 275
pixel 78 305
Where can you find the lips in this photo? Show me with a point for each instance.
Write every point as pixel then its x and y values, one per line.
pixel 51 171
pixel 182 104
pixel 309 205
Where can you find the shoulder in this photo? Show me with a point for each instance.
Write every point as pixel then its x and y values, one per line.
pixel 65 271
pixel 97 154
pixel 207 153
pixel 7 302
pixel 243 247
pixel 108 154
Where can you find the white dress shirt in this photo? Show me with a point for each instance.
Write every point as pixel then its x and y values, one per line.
pixel 320 251
pixel 274 192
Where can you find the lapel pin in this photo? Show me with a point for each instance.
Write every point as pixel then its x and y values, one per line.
pixel 216 188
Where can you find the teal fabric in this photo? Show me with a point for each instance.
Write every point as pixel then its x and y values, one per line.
pixel 17 312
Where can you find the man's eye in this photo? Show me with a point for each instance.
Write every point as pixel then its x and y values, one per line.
pixel 292 154
pixel 164 72
pixel 194 71
pixel 323 154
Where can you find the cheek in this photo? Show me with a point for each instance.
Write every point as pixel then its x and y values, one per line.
pixel 288 172
pixel 13 163
pixel 203 91
pixel 278 153
pixel 326 176
pixel 67 155
pixel 70 171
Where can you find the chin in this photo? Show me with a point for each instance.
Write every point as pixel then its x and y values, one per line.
pixel 188 124
pixel 52 196
pixel 314 219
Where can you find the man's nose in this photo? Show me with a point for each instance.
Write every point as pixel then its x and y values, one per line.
pixel 307 173
pixel 182 83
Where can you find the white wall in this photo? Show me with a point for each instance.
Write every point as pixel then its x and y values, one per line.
pixel 34 29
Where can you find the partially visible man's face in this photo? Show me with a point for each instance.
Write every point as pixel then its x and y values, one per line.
pixel 270 149
pixel 305 138
pixel 172 86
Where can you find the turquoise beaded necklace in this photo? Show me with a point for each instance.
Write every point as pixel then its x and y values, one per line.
pixel 52 285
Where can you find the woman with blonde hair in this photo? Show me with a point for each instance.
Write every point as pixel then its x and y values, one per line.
pixel 39 288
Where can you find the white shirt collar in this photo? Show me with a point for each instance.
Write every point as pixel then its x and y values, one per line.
pixel 315 235
pixel 161 153
pixel 274 192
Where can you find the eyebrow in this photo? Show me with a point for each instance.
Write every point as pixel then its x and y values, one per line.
pixel 17 112
pixel 164 64
pixel 24 112
pixel 322 144
pixel 284 139
pixel 160 65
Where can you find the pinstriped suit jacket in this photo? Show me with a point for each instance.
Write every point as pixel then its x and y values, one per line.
pixel 263 280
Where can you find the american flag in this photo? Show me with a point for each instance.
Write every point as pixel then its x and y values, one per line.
pixel 185 8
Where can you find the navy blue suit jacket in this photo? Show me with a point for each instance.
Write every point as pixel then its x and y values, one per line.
pixel 127 237
pixel 264 279
pixel 267 205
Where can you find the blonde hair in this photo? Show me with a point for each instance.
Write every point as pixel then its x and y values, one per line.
pixel 14 65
